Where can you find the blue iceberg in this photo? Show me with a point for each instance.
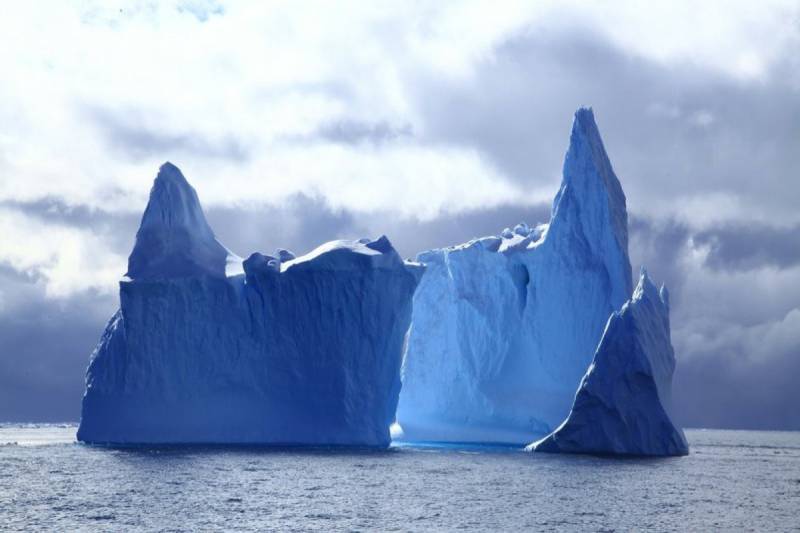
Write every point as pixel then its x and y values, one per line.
pixel 504 327
pixel 489 338
pixel 622 404
pixel 207 348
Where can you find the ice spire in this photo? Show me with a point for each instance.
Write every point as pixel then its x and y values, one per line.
pixel 622 405
pixel 174 239
pixel 590 204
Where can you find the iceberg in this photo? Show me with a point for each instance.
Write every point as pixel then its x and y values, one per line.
pixel 504 327
pixel 622 404
pixel 275 349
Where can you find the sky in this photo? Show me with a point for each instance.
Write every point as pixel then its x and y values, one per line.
pixel 432 123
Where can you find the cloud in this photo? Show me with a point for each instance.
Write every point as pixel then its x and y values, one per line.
pixel 734 320
pixel 135 135
pixel 303 223
pixel 45 348
pixel 300 224
pixel 354 132
pixel 747 382
pixel 54 210
pixel 68 259
pixel 201 9
pixel 660 245
pixel 742 246
pixel 688 143
pixel 466 80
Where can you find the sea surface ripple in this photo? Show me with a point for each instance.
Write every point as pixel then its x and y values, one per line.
pixel 732 480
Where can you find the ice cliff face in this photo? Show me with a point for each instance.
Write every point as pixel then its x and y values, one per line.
pixel 622 403
pixel 504 327
pixel 300 350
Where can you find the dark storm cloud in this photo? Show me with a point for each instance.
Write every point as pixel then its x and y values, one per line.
pixel 723 389
pixel 127 132
pixel 45 343
pixel 303 223
pixel 660 246
pixel 410 237
pixel 10 275
pixel 117 230
pixel 300 224
pixel 45 349
pixel 750 246
pixel 52 209
pixel 738 376
pixel 671 131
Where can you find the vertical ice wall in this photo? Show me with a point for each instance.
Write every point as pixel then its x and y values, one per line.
pixel 504 327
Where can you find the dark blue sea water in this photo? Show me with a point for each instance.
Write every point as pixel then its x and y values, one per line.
pixel 732 480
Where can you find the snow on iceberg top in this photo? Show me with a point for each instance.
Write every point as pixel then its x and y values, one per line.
pixel 349 255
pixel 645 288
pixel 339 256
pixel 174 239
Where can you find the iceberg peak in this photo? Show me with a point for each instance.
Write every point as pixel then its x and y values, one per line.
pixel 173 202
pixel 645 288
pixel 586 144
pixel 590 203
pixel 168 171
pixel 174 239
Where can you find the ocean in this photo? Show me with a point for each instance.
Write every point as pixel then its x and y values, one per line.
pixel 732 480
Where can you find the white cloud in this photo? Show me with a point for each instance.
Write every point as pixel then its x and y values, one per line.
pixel 739 37
pixel 752 315
pixel 702 118
pixel 65 259
pixel 260 74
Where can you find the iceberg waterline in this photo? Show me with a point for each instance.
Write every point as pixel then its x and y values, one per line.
pixel 278 349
